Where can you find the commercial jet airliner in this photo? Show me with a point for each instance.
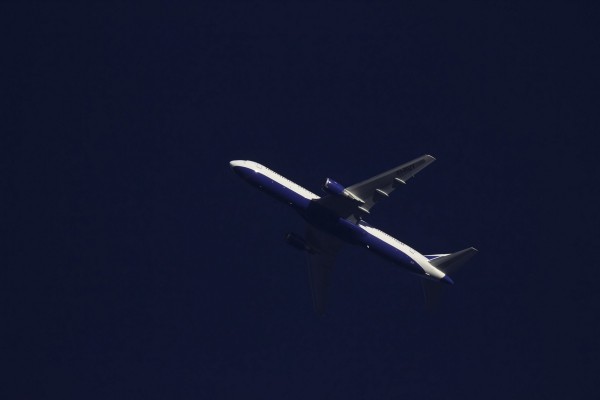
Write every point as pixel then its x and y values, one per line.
pixel 338 218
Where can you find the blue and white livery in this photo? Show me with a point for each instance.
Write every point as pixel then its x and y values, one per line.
pixel 338 218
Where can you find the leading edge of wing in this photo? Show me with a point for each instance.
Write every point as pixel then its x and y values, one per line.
pixel 380 186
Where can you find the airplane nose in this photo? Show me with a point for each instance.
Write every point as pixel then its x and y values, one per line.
pixel 241 168
pixel 236 163
pixel 447 280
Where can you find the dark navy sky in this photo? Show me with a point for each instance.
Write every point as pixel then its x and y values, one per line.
pixel 137 265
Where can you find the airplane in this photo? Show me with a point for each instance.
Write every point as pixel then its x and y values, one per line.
pixel 338 218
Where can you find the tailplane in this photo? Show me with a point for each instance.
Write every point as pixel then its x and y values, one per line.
pixel 450 263
pixel 447 263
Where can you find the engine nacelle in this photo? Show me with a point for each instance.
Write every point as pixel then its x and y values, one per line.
pixel 332 187
pixel 297 242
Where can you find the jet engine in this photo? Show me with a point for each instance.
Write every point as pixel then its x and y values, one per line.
pixel 332 187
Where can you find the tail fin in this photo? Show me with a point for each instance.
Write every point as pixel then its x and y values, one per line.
pixel 447 263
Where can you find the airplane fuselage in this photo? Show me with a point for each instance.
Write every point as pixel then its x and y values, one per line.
pixel 359 233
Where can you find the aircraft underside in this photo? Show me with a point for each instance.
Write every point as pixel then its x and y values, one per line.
pixel 338 218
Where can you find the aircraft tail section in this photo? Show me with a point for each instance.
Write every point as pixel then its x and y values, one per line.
pixel 447 263
pixel 450 263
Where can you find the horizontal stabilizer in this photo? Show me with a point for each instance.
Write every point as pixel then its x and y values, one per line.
pixel 432 291
pixel 449 263
pixel 433 256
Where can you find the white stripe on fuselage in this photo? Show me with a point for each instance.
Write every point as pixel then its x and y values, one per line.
pixel 414 255
pixel 293 186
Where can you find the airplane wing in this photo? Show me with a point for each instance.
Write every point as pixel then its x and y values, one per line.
pixel 379 187
pixel 320 264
